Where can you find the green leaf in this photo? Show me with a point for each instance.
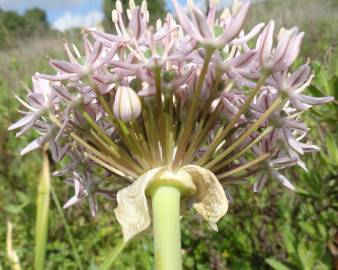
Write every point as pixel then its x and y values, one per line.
pixel 332 149
pixel 323 79
pixel 303 192
pixel 308 228
pixel 17 208
pixel 13 209
pixel 289 241
pixel 306 257
pixel 322 231
pixel 22 197
pixel 276 264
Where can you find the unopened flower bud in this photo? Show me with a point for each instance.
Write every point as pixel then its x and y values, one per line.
pixel 144 7
pixel 132 4
pixel 127 105
pixel 168 75
pixel 119 7
pixel 114 16
pixel 158 24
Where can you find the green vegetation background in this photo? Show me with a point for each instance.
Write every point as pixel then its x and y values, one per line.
pixel 277 229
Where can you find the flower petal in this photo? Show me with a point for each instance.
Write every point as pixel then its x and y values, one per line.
pixel 65 67
pixel 235 25
pixel 199 21
pixel 314 100
pixel 282 179
pixel 23 121
pixel 264 43
pixel 185 22
pixel 34 145
pixel 260 182
pixel 300 76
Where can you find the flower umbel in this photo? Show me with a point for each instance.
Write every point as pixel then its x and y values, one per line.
pixel 187 102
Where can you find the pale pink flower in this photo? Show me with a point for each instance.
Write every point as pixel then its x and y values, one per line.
pixel 204 30
pixel 284 54
pixel 292 85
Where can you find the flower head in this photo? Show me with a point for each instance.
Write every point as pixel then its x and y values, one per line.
pixel 188 102
pixel 286 51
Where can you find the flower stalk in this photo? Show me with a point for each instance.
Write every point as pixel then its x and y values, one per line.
pixel 165 201
pixel 234 120
pixel 189 122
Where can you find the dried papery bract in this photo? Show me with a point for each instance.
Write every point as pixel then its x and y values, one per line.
pixel 189 105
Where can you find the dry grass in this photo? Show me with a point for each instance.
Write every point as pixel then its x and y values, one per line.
pixel 317 18
pixel 18 64
pixel 25 58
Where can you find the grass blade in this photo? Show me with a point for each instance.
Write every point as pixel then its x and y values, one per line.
pixel 113 255
pixel 11 253
pixel 67 229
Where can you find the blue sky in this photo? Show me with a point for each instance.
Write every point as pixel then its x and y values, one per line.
pixel 63 14
pixel 54 8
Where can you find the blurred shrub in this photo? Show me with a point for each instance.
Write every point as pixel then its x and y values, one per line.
pixel 14 26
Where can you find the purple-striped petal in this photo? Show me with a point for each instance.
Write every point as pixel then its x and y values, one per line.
pixel 314 100
pixel 65 67
pixel 282 179
pixel 34 145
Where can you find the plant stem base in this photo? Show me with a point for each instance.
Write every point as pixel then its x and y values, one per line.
pixel 166 223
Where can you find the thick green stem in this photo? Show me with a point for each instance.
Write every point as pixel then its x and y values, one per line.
pixel 166 223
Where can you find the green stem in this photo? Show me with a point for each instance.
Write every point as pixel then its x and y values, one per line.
pixel 190 119
pixel 166 224
pixel 206 156
pixel 245 134
pixel 160 111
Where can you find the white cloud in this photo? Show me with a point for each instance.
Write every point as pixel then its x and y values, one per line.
pixel 70 20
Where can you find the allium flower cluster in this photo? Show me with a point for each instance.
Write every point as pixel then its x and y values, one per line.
pixel 188 96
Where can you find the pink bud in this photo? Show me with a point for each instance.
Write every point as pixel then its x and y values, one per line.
pixel 127 105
